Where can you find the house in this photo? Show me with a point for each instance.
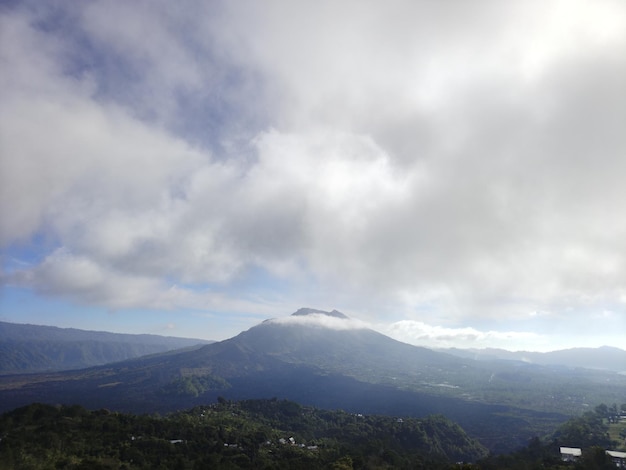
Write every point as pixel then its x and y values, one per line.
pixel 618 458
pixel 570 454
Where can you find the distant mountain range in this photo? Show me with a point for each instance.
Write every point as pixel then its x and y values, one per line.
pixel 36 348
pixel 327 360
pixel 603 358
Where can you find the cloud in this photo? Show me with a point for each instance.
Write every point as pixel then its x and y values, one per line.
pixel 422 334
pixel 80 278
pixel 419 161
pixel 323 321
pixel 65 153
pixel 507 149
pixel 84 281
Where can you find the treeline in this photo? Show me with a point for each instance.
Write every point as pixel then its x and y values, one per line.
pixel 267 434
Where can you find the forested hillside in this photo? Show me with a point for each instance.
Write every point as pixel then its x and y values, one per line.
pixel 247 434
pixel 281 434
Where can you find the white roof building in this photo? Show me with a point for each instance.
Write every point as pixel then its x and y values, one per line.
pixel 569 454
pixel 618 458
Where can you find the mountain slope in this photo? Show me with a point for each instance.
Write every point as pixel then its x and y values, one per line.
pixel 35 348
pixel 344 348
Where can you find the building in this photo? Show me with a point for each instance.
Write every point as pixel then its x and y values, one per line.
pixel 570 454
pixel 618 458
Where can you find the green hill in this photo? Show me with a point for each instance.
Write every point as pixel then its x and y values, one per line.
pixel 248 434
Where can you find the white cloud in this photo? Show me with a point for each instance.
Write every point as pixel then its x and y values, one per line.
pixel 462 161
pixel 65 275
pixel 323 321
pixel 422 334
pixel 87 282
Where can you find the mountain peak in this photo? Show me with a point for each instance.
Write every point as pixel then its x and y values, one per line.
pixel 312 311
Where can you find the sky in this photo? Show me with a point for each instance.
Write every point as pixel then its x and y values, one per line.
pixel 449 173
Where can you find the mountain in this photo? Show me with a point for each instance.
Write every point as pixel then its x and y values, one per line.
pixel 603 358
pixel 35 348
pixel 311 311
pixel 331 341
pixel 327 360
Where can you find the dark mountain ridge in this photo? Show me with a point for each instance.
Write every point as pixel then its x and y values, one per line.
pixel 36 348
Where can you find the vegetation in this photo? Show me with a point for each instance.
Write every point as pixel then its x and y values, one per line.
pixel 248 434
pixel 194 385
pixel 589 432
pixel 278 434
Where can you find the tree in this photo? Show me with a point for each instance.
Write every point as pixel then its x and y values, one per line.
pixel 344 463
pixel 602 410
pixel 595 458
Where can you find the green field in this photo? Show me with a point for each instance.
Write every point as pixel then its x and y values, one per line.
pixel 616 433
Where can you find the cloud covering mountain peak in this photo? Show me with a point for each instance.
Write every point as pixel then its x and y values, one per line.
pixel 457 165
pixel 311 317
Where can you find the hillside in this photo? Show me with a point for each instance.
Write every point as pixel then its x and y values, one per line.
pixel 36 348
pixel 249 434
pixel 278 434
